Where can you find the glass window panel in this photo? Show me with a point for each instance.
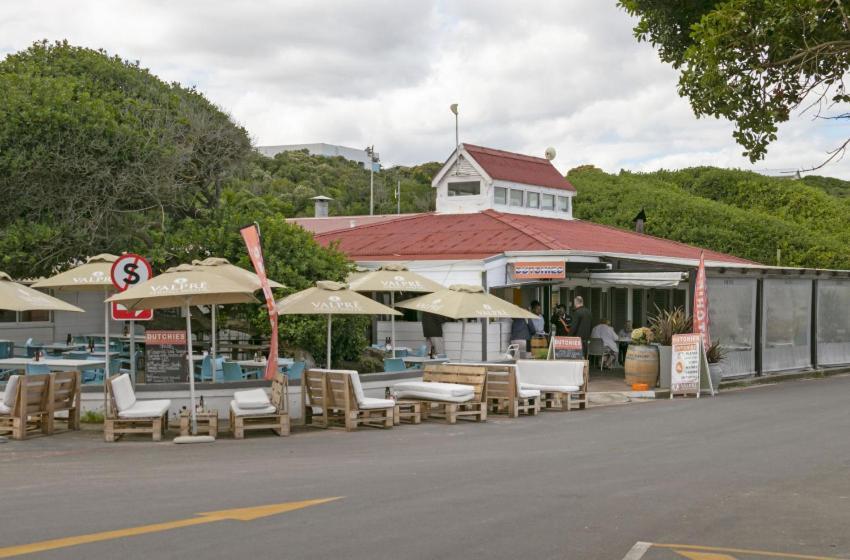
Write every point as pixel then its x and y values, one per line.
pixel 787 324
pixel 532 199
pixel 465 188
pixel 500 195
pixel 833 322
pixel 563 204
pixel 516 197
pixel 32 316
pixel 7 316
pixel 731 314
pixel 547 202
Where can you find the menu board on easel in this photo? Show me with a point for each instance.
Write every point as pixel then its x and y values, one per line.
pixel 165 357
pixel 689 366
pixel 565 348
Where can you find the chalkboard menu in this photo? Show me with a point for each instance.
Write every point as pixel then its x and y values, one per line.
pixel 165 357
pixel 566 348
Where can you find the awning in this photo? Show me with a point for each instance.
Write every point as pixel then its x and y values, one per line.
pixel 640 279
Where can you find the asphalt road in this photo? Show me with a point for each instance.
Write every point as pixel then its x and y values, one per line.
pixel 766 468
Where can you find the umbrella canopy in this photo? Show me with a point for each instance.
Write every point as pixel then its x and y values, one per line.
pixel 94 275
pixel 223 267
pixel 331 298
pixel 185 284
pixel 461 301
pixel 17 297
pixel 393 278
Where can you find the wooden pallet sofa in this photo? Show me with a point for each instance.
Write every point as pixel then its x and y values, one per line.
pixel 25 405
pixel 126 415
pixel 64 396
pixel 253 409
pixel 448 391
pixel 506 396
pixel 562 383
pixel 348 404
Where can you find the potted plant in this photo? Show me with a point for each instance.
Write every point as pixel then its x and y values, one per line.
pixel 715 354
pixel 664 325
pixel 641 358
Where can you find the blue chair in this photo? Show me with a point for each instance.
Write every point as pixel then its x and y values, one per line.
pixel 81 340
pixel 37 368
pixel 296 370
pixel 206 369
pixel 392 365
pixel 7 349
pixel 232 371
pixel 421 351
pixel 77 355
pixel 32 347
pixel 95 375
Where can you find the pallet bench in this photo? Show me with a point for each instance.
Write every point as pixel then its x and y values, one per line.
pixel 125 415
pixel 448 391
pixel 265 413
pixel 562 383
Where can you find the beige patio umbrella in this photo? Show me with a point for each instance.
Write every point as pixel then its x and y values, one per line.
pixel 183 286
pixel 461 301
pixel 330 298
pixel 17 297
pixel 95 275
pixel 223 267
pixel 393 278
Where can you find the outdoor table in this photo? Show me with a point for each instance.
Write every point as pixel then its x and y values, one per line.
pixel 58 364
pixel 208 418
pixel 281 362
pixel 61 347
pixel 424 360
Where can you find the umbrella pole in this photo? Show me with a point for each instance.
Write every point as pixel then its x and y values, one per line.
pixel 190 360
pixel 212 344
pixel 462 337
pixel 106 372
pixel 133 351
pixel 329 342
pixel 392 322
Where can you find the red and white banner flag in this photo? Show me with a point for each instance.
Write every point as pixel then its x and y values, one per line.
pixel 251 235
pixel 701 325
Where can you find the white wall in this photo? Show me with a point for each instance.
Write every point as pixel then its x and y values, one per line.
pixel 407 333
pixel 498 334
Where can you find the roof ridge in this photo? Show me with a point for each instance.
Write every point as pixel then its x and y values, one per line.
pixel 506 153
pixel 664 239
pixel 401 217
pixel 538 235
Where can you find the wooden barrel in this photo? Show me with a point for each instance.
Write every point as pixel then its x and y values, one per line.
pixel 641 364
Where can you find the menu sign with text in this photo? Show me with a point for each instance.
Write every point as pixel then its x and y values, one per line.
pixel 566 348
pixel 685 364
pixel 165 357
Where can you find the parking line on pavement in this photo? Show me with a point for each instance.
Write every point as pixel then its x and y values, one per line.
pixel 681 548
pixel 241 514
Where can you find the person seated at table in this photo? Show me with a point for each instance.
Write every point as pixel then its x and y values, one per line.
pixel 604 332
pixel 625 336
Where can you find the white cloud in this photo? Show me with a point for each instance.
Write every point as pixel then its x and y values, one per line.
pixel 563 73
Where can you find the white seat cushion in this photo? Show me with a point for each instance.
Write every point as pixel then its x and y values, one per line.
pixel 146 409
pixel 371 404
pixel 252 398
pixel 550 388
pixel 528 393
pixel 238 411
pixel 122 392
pixel 11 392
pixel 5 409
pixel 434 388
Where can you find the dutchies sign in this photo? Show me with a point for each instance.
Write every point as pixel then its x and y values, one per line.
pixel 539 270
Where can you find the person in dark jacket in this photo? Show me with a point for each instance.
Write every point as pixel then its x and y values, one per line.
pixel 582 323
pixel 560 321
pixel 521 331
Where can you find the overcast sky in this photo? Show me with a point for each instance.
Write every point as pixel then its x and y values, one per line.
pixel 527 75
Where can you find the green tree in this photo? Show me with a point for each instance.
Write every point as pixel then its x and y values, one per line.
pixel 102 153
pixel 754 62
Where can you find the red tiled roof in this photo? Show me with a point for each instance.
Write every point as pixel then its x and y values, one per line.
pixel 476 236
pixel 332 223
pixel 518 168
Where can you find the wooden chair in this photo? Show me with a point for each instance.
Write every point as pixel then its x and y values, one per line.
pixel 562 383
pixel 64 396
pixel 438 404
pixel 347 403
pixel 26 405
pixel 275 416
pixel 126 415
pixel 504 395
pixel 315 395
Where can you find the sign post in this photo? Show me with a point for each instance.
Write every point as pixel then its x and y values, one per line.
pixel 128 270
pixel 565 348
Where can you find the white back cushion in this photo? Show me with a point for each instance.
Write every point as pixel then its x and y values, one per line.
pixel 11 391
pixel 355 382
pixel 122 392
pixel 550 372
pixel 251 398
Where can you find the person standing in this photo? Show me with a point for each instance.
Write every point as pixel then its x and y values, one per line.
pixel 560 321
pixel 582 323
pixel 432 329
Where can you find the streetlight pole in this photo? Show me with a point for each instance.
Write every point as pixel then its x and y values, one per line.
pixel 373 158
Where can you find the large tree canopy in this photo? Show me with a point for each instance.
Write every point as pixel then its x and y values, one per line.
pixel 754 62
pixel 96 152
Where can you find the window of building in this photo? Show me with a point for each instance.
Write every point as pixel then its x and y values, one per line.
pixel 465 188
pixel 533 200
pixel 516 197
pixel 33 316
pixel 563 204
pixel 7 316
pixel 500 195
pixel 547 202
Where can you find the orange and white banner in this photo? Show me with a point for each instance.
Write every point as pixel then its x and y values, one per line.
pixel 701 325
pixel 251 235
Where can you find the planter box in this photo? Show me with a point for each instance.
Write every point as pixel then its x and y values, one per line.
pixel 665 359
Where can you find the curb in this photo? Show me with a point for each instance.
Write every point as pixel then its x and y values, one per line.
pixel 779 377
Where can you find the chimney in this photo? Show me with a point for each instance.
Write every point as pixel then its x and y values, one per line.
pixel 321 206
pixel 639 221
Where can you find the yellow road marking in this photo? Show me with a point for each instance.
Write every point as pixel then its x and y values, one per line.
pixel 241 514
pixel 704 555
pixel 689 547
